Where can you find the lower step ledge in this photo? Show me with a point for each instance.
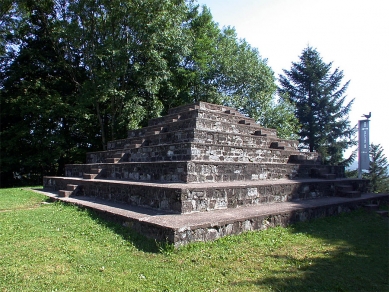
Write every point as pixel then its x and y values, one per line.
pixel 181 229
pixel 383 213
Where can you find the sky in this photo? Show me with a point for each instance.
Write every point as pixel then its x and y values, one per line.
pixel 352 34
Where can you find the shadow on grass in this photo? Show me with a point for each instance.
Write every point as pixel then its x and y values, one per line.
pixel 354 256
pixel 138 240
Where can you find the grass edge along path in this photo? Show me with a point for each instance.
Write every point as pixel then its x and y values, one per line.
pixel 57 247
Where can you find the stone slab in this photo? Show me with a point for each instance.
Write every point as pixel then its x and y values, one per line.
pixel 180 229
pixel 204 197
pixel 201 171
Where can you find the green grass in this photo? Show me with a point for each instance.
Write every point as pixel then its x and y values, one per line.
pixel 57 247
pixel 19 198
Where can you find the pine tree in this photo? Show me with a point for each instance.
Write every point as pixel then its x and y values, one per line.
pixel 318 96
pixel 378 170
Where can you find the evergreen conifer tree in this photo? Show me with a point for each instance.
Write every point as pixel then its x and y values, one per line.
pixel 319 97
pixel 378 170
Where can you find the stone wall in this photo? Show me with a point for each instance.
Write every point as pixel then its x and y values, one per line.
pixel 149 196
pixel 197 144
pixel 199 171
pixel 207 171
pixel 158 171
pixel 215 198
pixel 209 232
pixel 183 198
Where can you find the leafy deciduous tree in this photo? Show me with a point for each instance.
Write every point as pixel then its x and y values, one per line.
pixel 37 122
pixel 78 73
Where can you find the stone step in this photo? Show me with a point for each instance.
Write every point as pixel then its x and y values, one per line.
pixel 372 207
pixel 319 172
pixel 206 151
pixel 95 170
pixel 230 112
pixel 344 188
pixel 156 130
pixel 277 145
pixel 183 168
pixel 349 194
pixel 146 131
pixel 245 122
pixel 118 155
pixel 183 108
pixel 89 176
pixel 70 187
pixel 328 176
pixel 322 172
pixel 170 118
pixel 132 146
pixel 263 133
pixel 137 141
pixel 206 226
pixel 308 158
pixel 198 197
pixel 383 213
pixel 158 122
pixel 112 160
pixel 281 146
pixel 64 193
pixel 208 122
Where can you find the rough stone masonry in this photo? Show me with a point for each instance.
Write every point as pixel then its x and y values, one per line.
pixel 202 158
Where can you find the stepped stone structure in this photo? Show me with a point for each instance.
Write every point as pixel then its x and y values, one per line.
pixel 202 158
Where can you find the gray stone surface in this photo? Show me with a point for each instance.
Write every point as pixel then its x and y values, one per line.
pixel 182 229
pixel 203 161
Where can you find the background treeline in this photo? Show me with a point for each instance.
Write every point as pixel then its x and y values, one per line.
pixel 77 74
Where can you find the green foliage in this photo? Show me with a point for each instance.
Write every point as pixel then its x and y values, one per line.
pixel 77 74
pixel 165 247
pixel 378 170
pixel 248 83
pixel 280 116
pixel 319 99
pixel 59 247
pixel 223 69
pixel 37 97
pixel 127 49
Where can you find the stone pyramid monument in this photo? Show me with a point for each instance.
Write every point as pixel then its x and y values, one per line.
pixel 202 158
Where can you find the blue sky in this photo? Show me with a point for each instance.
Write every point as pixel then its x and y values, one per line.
pixel 352 34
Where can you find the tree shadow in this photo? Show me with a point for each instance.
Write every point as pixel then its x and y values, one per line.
pixel 139 241
pixel 361 264
pixel 115 223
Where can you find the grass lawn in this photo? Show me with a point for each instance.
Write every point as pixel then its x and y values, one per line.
pixel 57 247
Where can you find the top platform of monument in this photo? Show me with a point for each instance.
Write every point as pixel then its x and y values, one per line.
pixel 200 116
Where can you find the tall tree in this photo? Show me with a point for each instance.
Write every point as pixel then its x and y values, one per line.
pixel 195 77
pixel 78 73
pixel 221 68
pixel 319 98
pixel 38 122
pixel 128 49
pixel 378 170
